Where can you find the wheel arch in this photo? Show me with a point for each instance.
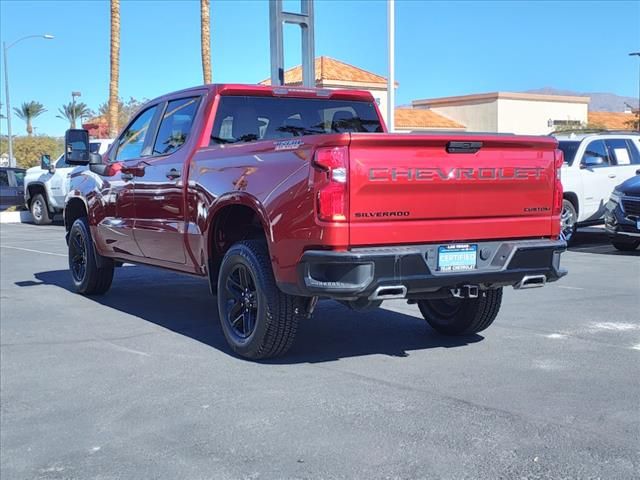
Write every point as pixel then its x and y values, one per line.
pixel 235 218
pixel 75 208
pixel 34 188
pixel 573 198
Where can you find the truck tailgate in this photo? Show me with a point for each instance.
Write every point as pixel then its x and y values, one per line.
pixel 435 188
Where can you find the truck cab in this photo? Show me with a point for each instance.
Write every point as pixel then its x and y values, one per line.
pixel 593 165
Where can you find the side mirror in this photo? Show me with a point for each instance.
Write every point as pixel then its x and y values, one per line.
pixel 45 163
pixel 76 146
pixel 96 165
pixel 589 161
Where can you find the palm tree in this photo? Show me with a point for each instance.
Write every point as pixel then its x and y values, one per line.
pixel 74 111
pixel 28 111
pixel 115 68
pixel 205 39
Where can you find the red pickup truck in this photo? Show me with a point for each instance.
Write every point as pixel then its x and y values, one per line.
pixel 280 196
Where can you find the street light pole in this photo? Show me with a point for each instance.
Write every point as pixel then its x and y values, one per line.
pixel 637 54
pixel 5 48
pixel 12 162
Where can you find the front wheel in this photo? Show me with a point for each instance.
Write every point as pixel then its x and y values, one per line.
pixel 568 220
pixel 89 276
pixel 258 320
pixel 39 210
pixel 462 316
pixel 625 246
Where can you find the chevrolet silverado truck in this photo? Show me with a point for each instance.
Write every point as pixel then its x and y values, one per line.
pixel 281 196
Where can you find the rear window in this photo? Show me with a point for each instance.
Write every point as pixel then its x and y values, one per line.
pixel 569 149
pixel 248 119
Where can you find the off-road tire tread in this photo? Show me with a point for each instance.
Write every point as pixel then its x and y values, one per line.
pixel 482 311
pixel 283 311
pixel 100 278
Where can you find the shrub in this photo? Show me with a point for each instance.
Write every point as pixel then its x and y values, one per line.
pixel 27 150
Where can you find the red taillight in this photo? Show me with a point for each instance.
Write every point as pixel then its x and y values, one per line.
pixel 557 191
pixel 331 183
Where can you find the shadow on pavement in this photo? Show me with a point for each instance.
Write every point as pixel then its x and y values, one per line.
pixel 596 240
pixel 184 305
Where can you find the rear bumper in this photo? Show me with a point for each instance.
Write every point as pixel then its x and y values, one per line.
pixel 361 272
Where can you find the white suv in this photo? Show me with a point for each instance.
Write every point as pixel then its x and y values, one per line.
pixel 594 163
pixel 46 187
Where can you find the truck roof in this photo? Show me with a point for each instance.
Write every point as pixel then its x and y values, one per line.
pixel 276 91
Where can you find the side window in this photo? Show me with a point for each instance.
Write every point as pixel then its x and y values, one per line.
pixel 131 142
pixel 62 162
pixel 19 178
pixel 635 156
pixel 596 155
pixel 619 151
pixel 175 125
pixel 4 178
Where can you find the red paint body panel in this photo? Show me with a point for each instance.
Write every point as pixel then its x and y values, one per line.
pixel 167 222
pixel 504 190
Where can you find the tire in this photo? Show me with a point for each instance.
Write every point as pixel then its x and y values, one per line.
pixel 568 220
pixel 40 210
pixel 462 316
pixel 625 246
pixel 258 320
pixel 88 278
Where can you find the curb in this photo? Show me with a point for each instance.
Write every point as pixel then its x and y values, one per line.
pixel 16 217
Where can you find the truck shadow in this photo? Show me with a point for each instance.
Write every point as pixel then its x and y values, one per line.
pixel 596 240
pixel 184 305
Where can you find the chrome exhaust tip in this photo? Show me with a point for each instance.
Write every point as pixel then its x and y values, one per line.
pixel 531 281
pixel 389 292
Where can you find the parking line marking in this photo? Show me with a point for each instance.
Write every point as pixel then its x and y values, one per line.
pixel 33 251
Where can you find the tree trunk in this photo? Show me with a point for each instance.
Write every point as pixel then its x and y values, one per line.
pixel 115 68
pixel 205 40
pixel 29 127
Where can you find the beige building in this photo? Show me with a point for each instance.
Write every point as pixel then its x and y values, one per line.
pixel 522 113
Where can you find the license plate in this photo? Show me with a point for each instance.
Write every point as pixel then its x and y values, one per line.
pixel 456 258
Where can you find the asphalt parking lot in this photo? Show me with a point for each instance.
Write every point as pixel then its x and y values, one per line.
pixel 140 384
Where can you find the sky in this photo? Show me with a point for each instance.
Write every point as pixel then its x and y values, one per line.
pixel 442 48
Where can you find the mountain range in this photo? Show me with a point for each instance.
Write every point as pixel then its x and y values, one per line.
pixel 600 101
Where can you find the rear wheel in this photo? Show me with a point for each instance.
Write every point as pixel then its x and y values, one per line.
pixel 462 316
pixel 88 278
pixel 258 320
pixel 568 220
pixel 39 210
pixel 625 246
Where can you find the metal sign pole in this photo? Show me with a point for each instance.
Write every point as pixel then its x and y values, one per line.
pixel 278 17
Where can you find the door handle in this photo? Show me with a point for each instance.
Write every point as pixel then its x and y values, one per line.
pixel 612 175
pixel 133 170
pixel 173 174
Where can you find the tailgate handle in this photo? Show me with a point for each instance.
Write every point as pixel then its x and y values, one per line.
pixel 463 147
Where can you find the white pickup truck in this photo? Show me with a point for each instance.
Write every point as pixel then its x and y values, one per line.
pixel 593 165
pixel 46 186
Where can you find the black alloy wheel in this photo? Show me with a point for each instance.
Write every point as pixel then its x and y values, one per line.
pixel 78 256
pixel 241 301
